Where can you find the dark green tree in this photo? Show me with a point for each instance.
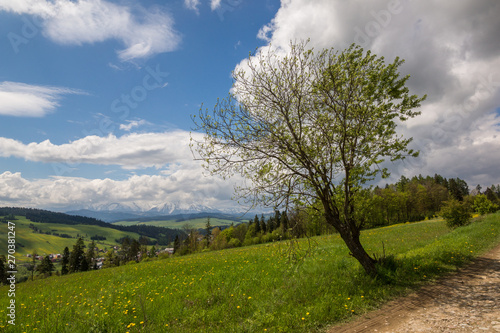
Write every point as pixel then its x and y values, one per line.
pixel 111 259
pixel 152 252
pixel 65 261
pixel 134 250
pixel 491 195
pixel 284 222
pixel 3 270
pixel 46 267
pixel 256 222
pixel 77 256
pixel 208 232
pixel 32 266
pixel 311 126
pixel 270 224
pixel 90 256
pixel 177 243
pixel 263 226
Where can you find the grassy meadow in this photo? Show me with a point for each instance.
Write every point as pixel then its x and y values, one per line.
pixel 251 289
pixel 198 223
pixel 27 240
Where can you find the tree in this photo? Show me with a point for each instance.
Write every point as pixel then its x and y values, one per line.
pixel 90 257
pixel 456 213
pixel 310 126
pixel 483 205
pixel 208 230
pixel 32 267
pixel 65 261
pixel 177 243
pixel 76 257
pixel 134 250
pixel 256 222
pixel 3 270
pixel 111 259
pixel 152 252
pixel 263 226
pixel 46 267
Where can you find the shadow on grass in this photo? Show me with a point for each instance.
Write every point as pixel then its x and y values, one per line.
pixel 410 271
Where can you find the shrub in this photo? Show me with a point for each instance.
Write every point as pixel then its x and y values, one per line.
pixel 456 213
pixel 234 242
pixel 483 205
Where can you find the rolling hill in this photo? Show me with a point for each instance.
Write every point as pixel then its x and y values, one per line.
pixel 197 220
pixel 49 232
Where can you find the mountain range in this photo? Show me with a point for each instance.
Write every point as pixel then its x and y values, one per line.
pixel 112 212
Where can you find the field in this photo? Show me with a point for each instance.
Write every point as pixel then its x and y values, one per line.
pixel 27 240
pixel 272 287
pixel 198 223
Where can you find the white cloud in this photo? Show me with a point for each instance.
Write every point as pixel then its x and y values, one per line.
pixel 143 32
pixel 452 52
pixel 144 192
pixel 132 123
pixel 24 100
pixel 130 151
pixel 214 4
pixel 180 178
pixel 192 4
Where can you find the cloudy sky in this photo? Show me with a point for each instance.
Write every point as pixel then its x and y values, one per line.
pixel 96 95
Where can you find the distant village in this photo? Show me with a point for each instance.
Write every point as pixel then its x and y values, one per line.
pixel 57 257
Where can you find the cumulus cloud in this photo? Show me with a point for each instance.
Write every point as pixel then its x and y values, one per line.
pixel 180 178
pixel 141 192
pixel 24 100
pixel 143 32
pixel 130 151
pixel 452 52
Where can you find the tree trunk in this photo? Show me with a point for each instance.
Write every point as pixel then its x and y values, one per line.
pixel 358 252
pixel 350 235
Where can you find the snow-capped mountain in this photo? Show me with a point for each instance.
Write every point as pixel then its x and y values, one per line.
pixel 110 212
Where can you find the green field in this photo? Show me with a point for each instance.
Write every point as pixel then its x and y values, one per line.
pixel 199 223
pixel 249 289
pixel 27 241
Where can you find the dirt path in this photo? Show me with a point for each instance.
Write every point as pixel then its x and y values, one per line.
pixel 467 301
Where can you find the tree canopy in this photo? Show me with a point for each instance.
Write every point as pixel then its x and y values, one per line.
pixel 307 127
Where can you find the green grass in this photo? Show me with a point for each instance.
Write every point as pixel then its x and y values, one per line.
pixel 28 241
pixel 199 223
pixel 248 289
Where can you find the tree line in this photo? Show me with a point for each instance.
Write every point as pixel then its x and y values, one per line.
pixel 407 200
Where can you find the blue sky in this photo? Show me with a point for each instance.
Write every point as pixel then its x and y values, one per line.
pixel 96 95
